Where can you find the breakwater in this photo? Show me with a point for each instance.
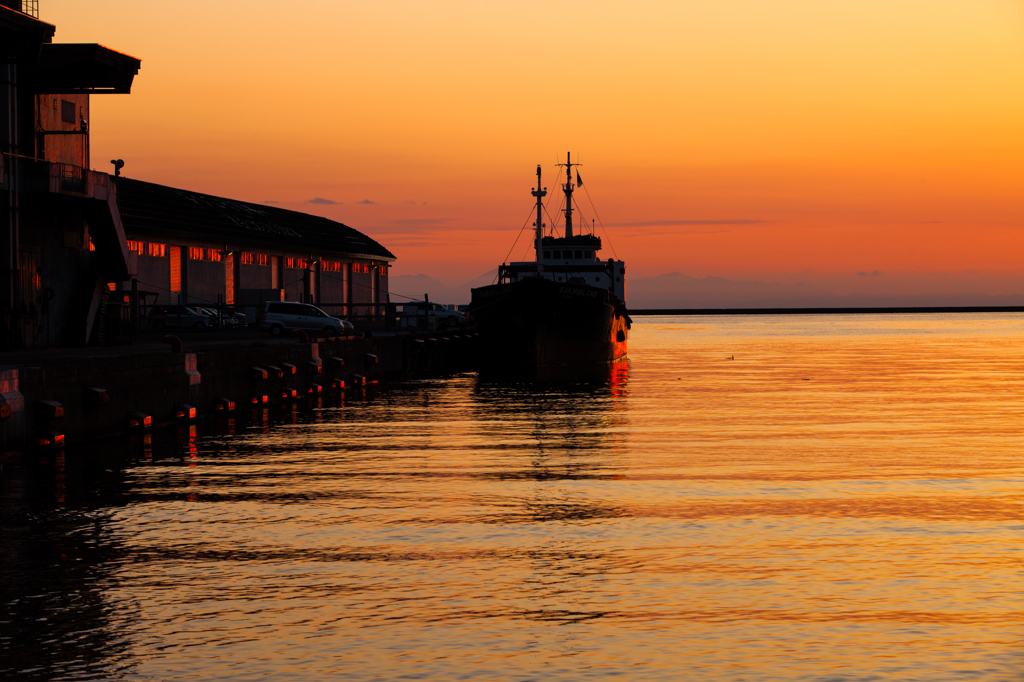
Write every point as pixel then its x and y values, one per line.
pixel 901 310
pixel 52 399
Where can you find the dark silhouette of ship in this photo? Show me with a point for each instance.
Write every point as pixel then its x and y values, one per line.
pixel 566 308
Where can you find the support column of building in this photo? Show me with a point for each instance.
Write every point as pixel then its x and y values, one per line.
pixel 9 244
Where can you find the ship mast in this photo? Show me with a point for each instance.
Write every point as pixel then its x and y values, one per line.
pixel 539 192
pixel 567 188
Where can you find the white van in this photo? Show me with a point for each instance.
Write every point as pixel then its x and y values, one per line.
pixel 278 317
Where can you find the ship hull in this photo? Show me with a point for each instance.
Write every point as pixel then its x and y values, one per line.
pixel 540 323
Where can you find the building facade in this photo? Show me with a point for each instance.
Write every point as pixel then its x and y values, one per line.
pixel 73 239
pixel 62 239
pixel 188 247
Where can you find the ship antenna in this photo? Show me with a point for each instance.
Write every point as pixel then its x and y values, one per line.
pixel 539 192
pixel 568 194
pixel 567 188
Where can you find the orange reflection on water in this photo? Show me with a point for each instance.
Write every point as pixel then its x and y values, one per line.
pixel 755 498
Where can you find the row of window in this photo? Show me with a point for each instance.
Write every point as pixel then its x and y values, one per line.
pixel 558 255
pixel 198 253
pixel 255 259
pixel 148 249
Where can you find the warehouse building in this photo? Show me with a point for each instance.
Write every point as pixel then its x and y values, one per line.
pixel 187 247
pixel 77 244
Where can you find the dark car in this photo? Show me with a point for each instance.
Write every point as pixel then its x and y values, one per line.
pixel 178 317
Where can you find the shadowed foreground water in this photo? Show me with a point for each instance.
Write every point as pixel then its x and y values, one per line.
pixel 840 501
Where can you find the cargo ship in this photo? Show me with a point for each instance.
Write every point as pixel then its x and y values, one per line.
pixel 565 308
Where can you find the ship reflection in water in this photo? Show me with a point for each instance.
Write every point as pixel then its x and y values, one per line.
pixel 839 501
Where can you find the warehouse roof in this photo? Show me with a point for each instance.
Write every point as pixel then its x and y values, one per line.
pixel 150 211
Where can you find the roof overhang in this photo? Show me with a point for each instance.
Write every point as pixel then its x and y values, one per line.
pixel 69 68
pixel 22 36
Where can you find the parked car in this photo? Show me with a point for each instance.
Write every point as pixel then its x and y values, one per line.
pixel 277 318
pixel 438 316
pixel 225 320
pixel 178 317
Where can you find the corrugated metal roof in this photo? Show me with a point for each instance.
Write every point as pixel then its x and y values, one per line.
pixel 150 212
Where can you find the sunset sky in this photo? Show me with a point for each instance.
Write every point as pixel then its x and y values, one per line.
pixel 736 138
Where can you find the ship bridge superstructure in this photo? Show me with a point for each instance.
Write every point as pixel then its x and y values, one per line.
pixel 572 258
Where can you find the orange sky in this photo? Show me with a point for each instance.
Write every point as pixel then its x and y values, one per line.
pixel 718 138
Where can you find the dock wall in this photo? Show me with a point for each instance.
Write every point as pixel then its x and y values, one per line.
pixel 82 399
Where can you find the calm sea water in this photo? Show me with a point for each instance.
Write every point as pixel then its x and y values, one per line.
pixel 746 498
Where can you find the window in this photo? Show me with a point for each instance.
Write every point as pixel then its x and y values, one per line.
pixel 547 254
pixel 255 259
pixel 299 263
pixel 330 266
pixel 586 254
pixel 196 253
pixel 360 267
pixel 146 249
pixel 67 111
pixel 579 254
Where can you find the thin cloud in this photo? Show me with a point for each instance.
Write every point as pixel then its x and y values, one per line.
pixel 672 223
pixel 421 221
pixel 873 273
pixel 271 202
pixel 366 201
pixel 321 200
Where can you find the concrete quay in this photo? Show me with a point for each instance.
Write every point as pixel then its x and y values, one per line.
pixel 53 397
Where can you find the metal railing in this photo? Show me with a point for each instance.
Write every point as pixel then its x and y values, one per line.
pixel 72 179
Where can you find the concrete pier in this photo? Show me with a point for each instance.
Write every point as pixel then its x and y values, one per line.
pixel 83 394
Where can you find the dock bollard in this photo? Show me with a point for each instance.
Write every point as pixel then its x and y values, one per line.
pixel 224 405
pixel 94 395
pixel 51 439
pixel 139 420
pixel 184 412
pixel 49 409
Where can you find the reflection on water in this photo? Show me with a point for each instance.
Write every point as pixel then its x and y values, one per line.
pixel 821 498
